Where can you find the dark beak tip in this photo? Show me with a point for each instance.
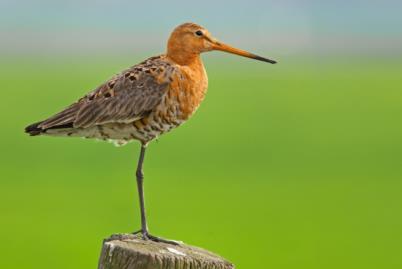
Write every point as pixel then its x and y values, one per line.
pixel 264 59
pixel 270 61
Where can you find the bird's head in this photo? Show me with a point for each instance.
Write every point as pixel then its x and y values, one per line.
pixel 190 39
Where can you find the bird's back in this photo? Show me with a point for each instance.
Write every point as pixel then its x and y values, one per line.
pixel 139 103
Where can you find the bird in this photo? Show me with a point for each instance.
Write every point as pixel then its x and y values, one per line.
pixel 144 101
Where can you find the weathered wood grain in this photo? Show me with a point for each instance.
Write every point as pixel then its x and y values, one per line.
pixel 125 251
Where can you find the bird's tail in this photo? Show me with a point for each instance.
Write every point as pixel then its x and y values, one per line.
pixel 38 129
pixel 33 129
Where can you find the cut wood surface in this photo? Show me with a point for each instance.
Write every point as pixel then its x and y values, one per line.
pixel 127 251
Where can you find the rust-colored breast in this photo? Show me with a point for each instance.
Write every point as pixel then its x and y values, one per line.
pixel 188 88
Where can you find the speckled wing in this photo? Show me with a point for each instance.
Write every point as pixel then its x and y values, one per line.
pixel 125 98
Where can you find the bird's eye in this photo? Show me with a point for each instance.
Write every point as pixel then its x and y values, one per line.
pixel 199 33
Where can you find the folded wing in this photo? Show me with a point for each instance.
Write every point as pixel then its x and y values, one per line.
pixel 127 97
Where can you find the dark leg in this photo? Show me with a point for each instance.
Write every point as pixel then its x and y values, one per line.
pixel 140 187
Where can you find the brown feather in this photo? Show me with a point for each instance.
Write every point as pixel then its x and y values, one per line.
pixel 125 98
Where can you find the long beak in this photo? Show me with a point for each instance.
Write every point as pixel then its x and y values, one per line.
pixel 216 45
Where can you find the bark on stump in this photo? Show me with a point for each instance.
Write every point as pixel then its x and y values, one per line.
pixel 125 251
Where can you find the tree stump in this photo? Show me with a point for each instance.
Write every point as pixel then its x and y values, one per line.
pixel 127 251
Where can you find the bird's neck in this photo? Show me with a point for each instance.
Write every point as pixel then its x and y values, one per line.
pixel 192 82
pixel 182 57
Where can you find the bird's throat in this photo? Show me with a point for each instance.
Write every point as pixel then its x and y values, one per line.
pixel 182 57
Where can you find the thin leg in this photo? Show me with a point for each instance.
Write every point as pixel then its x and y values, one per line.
pixel 140 187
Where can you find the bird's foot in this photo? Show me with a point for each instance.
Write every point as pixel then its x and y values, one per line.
pixel 160 240
pixel 146 236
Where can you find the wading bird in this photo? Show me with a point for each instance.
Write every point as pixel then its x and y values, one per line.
pixel 144 101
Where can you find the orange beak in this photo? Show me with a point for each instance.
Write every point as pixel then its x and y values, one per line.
pixel 216 45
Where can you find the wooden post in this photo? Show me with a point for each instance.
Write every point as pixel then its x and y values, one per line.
pixel 127 251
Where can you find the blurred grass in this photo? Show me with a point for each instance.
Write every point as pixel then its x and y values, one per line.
pixel 296 165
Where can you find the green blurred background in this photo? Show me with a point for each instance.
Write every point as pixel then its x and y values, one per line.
pixel 296 165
